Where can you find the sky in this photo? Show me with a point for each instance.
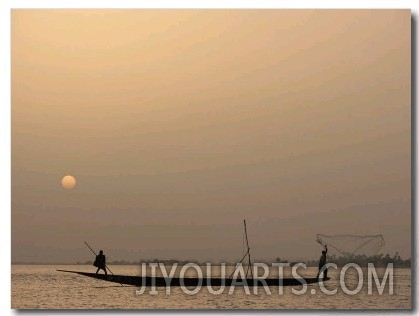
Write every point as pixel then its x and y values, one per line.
pixel 179 124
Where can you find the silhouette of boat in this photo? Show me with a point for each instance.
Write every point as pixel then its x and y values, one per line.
pixel 249 280
pixel 194 282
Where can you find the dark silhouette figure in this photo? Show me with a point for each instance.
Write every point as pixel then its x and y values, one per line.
pixel 100 262
pixel 322 264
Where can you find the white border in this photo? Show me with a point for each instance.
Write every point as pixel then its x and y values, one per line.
pixel 299 4
pixel 7 5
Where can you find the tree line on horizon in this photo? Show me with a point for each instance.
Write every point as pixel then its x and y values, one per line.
pixel 379 260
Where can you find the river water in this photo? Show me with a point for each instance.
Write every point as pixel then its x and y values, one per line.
pixel 42 287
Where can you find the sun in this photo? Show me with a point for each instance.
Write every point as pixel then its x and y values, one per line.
pixel 68 182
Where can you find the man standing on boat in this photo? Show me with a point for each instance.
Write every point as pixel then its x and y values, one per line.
pixel 322 263
pixel 100 262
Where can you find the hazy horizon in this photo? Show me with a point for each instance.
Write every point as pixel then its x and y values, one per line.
pixel 179 124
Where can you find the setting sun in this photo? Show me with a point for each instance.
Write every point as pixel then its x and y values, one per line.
pixel 68 182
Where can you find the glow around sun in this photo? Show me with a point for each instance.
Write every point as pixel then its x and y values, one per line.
pixel 68 182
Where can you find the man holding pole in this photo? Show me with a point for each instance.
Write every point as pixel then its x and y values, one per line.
pixel 100 262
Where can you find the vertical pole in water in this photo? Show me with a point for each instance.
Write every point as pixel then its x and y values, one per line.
pixel 248 251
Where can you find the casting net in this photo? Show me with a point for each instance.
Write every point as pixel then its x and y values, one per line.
pixel 350 245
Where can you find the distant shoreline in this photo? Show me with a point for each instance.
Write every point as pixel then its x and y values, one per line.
pixel 137 264
pixel 380 260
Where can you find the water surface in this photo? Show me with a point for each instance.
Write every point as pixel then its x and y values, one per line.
pixel 42 287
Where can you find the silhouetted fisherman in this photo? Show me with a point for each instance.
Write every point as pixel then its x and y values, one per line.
pixel 322 263
pixel 100 262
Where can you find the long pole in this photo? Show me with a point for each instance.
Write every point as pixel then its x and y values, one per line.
pixel 96 255
pixel 248 250
pixel 241 260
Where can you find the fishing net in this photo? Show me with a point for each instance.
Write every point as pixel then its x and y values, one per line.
pixel 351 245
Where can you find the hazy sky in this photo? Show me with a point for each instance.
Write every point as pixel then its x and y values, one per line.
pixel 178 124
